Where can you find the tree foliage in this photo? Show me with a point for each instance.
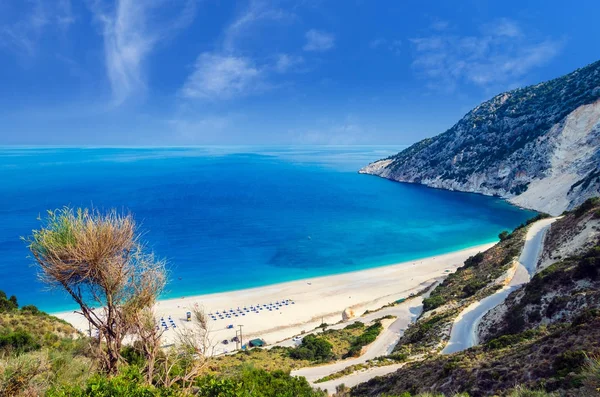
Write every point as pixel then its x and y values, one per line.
pixel 99 261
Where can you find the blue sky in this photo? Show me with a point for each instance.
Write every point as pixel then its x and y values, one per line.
pixel 179 72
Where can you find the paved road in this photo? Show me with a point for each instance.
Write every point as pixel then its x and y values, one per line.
pixel 464 330
pixel 405 313
pixel 358 377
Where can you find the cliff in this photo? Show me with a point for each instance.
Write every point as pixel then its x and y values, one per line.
pixel 545 337
pixel 538 147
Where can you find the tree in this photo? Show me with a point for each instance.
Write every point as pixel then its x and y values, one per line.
pixel 99 261
pixel 503 235
pixel 184 362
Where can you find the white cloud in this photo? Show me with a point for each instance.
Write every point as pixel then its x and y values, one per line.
pixel 24 32
pixel 287 62
pixel 219 76
pixel 256 12
pixel 318 41
pixel 505 27
pixel 131 29
pixel 497 58
pixel 390 45
pixel 225 73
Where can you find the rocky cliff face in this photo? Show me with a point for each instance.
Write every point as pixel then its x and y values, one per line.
pixel 537 146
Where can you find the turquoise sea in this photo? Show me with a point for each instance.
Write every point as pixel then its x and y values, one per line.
pixel 227 218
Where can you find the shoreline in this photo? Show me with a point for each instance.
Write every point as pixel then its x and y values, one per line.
pixel 316 300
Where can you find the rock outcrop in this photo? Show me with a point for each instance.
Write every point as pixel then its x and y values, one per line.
pixel 538 147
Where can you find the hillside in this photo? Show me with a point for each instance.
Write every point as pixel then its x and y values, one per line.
pixel 546 335
pixel 537 146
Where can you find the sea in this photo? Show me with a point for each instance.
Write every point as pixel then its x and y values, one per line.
pixel 232 217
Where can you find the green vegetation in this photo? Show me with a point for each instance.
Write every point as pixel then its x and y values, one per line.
pixel 248 382
pixel 587 205
pixel 368 336
pixel 486 136
pixel 478 278
pixel 556 358
pixel 7 304
pixel 41 355
pixel 547 340
pixel 313 349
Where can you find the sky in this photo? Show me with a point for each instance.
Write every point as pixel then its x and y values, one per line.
pixel 221 72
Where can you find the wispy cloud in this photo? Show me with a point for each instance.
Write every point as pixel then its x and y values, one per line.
pixel 131 29
pixel 319 41
pixel 257 12
pixel 498 57
pixel 218 76
pixel 286 62
pixel 36 17
pixel 390 45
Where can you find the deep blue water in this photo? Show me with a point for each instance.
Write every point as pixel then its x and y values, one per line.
pixel 234 217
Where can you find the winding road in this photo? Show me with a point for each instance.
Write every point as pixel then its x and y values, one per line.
pixel 463 334
pixel 464 329
pixel 405 314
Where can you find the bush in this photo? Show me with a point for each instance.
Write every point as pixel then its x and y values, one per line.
pixel 133 355
pixel 31 309
pixel 368 336
pixel 586 206
pixel 355 325
pixel 432 302
pixel 313 349
pixel 503 235
pixel 589 265
pixel 250 382
pixel 129 383
pixel 585 317
pixel 569 361
pixel 18 341
pixel 8 304
pixel 472 287
pixel 474 260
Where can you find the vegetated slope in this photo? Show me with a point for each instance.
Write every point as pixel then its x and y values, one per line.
pixel 480 276
pixel 539 146
pixel 548 336
pixel 26 328
pixel 561 291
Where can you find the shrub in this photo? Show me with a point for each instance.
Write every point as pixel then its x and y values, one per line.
pixel 313 349
pixel 474 260
pixel 504 235
pixel 8 304
pixel 585 317
pixel 355 325
pixel 368 336
pixel 569 361
pixel 589 265
pixel 18 341
pixel 251 382
pixel 586 206
pixel 129 383
pixel 31 309
pixel 432 302
pixel 472 287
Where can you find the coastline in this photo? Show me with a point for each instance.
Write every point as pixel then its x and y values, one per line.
pixel 316 300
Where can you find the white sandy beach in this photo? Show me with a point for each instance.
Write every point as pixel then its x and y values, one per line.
pixel 315 300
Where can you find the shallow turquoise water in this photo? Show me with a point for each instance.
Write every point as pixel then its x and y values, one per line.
pixel 227 218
